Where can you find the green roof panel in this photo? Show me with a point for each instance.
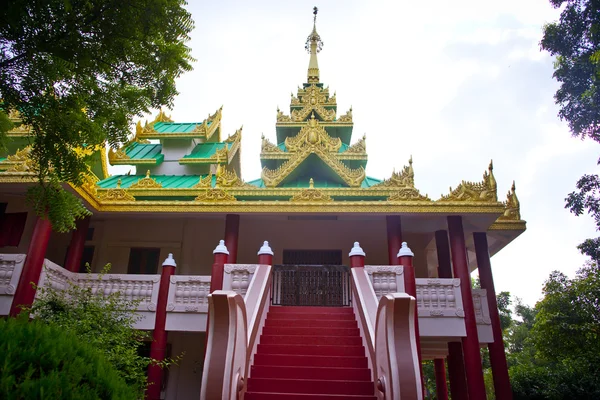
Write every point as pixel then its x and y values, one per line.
pixel 177 127
pixel 167 181
pixel 207 150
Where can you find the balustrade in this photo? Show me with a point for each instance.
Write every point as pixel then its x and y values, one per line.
pixel 11 266
pixel 439 298
pixel 386 279
pixel 237 277
pixel 189 294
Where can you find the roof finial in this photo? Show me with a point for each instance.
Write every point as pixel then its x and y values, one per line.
pixel 313 46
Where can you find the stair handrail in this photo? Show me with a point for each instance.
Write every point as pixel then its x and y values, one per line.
pixel 397 361
pixel 257 305
pixel 234 326
pixel 225 367
pixel 365 306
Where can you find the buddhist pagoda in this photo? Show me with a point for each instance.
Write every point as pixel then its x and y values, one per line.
pixel 333 244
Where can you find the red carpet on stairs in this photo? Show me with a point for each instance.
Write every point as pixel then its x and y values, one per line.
pixel 310 353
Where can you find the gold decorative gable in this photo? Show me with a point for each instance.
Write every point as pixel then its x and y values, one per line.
pixel 352 177
pixel 21 161
pixel 311 194
pixel 312 99
pixel 146 183
pixel 477 192
pixel 312 135
pixel 512 207
pixel 346 117
pixel 403 179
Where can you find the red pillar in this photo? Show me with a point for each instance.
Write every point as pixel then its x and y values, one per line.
pixel 75 252
pixel 394 236
pixel 456 366
pixel 470 343
pixel 158 348
pixel 25 292
pixel 265 254
pixel 441 388
pixel 405 258
pixel 497 356
pixel 456 372
pixel 232 230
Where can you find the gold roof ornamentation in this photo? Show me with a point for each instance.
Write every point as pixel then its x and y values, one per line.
pixel 408 194
pixel 475 191
pixel 118 155
pixel 346 117
pixel 313 46
pixel 215 195
pixel 116 194
pixel 353 177
pixel 311 194
pixel 89 182
pixel 21 161
pixel 281 117
pixel 146 183
pixel 359 147
pixel 403 179
pixel 204 183
pixel 512 207
pixel 312 134
pixel 268 147
pixel 229 179
pixel 162 117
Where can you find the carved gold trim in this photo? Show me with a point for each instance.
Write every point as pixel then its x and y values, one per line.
pixel 268 147
pixel 504 225
pixel 471 191
pixel 359 147
pixel 512 207
pixel 115 195
pixel 346 117
pixel 215 195
pixel 229 179
pixel 146 183
pixel 311 194
pixel 204 183
pixel 408 194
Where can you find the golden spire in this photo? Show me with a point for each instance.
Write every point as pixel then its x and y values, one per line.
pixel 313 46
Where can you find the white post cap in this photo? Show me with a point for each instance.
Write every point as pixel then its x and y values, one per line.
pixel 265 249
pixel 405 251
pixel 169 261
pixel 356 251
pixel 221 248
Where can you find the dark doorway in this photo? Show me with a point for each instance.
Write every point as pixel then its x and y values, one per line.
pixel 312 257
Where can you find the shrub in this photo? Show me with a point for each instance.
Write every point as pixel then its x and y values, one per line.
pixel 42 361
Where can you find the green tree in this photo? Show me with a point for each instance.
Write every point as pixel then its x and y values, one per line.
pixel 78 72
pixel 104 322
pixel 575 41
pixel 559 357
pixel 43 361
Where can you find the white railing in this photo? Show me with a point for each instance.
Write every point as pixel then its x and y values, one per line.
pixel 386 279
pixel 439 298
pixel 237 277
pixel 188 294
pixel 11 266
pixel 142 289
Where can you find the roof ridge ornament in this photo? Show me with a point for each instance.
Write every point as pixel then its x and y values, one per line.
pixel 314 45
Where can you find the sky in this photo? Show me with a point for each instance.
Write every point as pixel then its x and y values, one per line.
pixel 454 84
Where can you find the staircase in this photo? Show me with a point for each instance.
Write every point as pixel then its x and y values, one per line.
pixel 311 353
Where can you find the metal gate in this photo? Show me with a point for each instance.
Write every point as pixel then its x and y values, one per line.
pixel 311 285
